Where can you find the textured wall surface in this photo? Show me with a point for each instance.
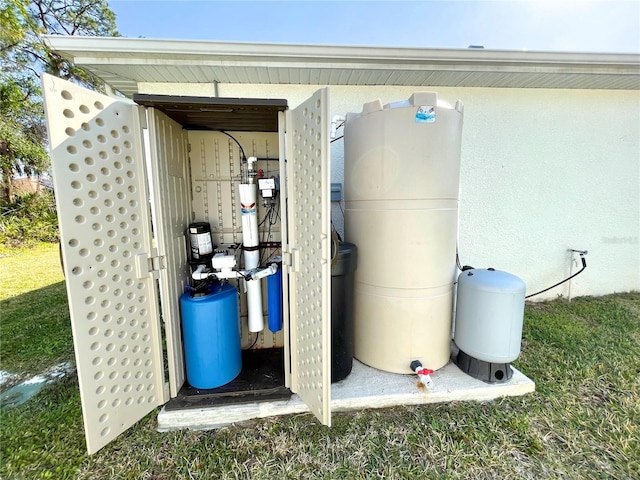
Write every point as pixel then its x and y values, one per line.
pixel 542 171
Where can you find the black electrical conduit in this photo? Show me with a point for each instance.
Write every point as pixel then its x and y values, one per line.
pixel 584 265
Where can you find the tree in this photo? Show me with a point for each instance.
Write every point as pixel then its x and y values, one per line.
pixel 21 134
pixel 24 54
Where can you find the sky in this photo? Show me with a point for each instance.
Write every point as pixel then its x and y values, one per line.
pixel 606 26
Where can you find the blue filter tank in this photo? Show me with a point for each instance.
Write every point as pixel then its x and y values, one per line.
pixel 211 335
pixel 274 300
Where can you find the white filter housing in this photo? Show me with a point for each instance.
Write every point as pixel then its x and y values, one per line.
pixel 250 239
pixel 489 315
pixel 402 170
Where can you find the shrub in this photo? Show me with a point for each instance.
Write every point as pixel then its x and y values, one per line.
pixel 29 218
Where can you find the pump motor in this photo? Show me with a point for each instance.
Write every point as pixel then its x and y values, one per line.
pixel 200 243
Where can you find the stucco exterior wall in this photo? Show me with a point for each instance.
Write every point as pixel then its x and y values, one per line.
pixel 542 171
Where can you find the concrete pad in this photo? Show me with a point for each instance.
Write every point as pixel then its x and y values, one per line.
pixel 365 387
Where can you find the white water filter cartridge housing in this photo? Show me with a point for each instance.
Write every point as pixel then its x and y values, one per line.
pixel 251 243
pixel 402 174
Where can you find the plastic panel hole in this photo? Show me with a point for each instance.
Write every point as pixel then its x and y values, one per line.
pixel 70 131
pixel 66 95
pixel 84 109
pixel 99 122
pixel 98 105
pixel 72 150
pixel 68 113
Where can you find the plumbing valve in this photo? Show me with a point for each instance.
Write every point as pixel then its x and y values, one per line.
pixel 424 374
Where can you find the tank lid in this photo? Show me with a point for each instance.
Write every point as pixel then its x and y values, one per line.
pixel 491 280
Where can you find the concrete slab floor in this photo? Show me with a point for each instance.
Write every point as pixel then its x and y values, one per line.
pixel 365 387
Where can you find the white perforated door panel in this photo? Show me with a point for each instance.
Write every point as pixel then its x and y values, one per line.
pixel 103 210
pixel 309 225
pixel 171 207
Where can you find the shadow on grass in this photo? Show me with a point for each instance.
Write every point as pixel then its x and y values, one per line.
pixel 36 331
pixel 44 438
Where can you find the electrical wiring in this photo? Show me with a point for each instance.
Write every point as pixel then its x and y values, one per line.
pixel 584 265
pixel 272 215
pixel 254 342
pixel 244 157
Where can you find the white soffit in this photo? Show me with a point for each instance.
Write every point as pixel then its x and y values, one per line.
pixel 123 62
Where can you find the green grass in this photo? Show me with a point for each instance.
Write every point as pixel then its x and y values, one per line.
pixel 582 422
pixel 35 332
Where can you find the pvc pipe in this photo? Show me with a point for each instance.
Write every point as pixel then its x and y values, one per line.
pixel 250 241
pixel 200 274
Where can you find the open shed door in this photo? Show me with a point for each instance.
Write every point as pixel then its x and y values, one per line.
pixel 105 233
pixel 171 210
pixel 309 228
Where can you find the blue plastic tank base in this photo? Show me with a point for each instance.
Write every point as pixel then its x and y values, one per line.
pixel 211 336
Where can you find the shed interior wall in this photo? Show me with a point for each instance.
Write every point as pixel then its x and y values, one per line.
pixel 215 175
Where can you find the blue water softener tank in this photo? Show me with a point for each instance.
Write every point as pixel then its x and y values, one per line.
pixel 211 335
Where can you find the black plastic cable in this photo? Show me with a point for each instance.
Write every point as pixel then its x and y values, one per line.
pixel 336 139
pixel 244 157
pixel 458 259
pixel 254 342
pixel 584 265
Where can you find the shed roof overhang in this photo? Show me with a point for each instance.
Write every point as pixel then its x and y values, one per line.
pixel 125 62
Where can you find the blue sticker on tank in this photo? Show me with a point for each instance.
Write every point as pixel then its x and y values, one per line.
pixel 426 114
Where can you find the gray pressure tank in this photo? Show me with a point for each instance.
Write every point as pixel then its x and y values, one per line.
pixel 488 325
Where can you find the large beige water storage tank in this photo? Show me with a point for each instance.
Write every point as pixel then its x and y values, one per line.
pixel 402 169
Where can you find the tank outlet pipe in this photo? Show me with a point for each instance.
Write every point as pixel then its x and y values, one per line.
pixel 251 242
pixel 251 171
pixel 260 273
pixel 200 274
pixel 424 374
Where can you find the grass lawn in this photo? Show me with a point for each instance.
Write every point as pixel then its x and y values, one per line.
pixel 583 421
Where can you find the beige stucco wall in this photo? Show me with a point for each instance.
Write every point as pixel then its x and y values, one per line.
pixel 542 171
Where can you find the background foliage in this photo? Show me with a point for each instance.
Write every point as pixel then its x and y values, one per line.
pixel 24 55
